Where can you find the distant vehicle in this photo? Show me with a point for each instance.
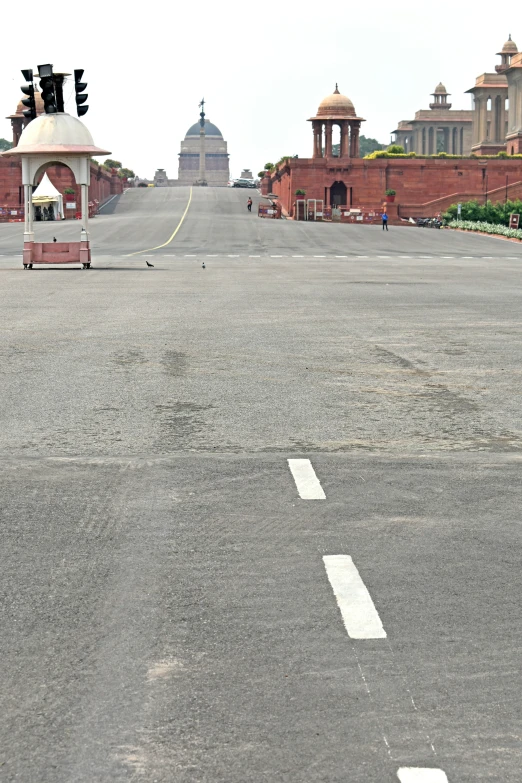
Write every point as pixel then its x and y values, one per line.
pixel 243 183
pixel 231 183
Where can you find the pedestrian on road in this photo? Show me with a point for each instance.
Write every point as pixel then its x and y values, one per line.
pixel 249 204
pixel 384 221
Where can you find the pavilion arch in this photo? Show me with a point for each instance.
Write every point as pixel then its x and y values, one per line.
pixel 37 165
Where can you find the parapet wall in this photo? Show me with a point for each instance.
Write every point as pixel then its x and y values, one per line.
pixel 103 183
pixel 422 184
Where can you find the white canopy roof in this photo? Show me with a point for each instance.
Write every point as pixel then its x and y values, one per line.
pixel 46 190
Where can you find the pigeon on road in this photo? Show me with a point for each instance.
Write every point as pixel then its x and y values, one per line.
pixel 203 265
pixel 149 264
pixel 54 239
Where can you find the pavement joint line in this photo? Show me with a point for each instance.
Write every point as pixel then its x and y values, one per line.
pixel 487 258
pixel 233 256
pixel 421 775
pixel 319 256
pixel 360 617
pixel 276 256
pixel 190 255
pixel 297 256
pixel 254 256
pixel 308 485
pixel 212 255
pixel 341 256
pixel 447 256
pixel 383 256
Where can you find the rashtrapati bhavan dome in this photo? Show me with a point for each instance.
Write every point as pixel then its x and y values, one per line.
pixel 216 169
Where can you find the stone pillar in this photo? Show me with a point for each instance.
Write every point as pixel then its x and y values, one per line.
pixel 202 172
pixel 85 213
pixel 328 139
pixel 355 132
pixel 28 214
pixel 17 126
pixel 318 139
pixel 483 123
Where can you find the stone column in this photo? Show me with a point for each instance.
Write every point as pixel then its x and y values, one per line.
pixel 318 139
pixel 483 125
pixel 355 133
pixel 328 139
pixel 202 172
pixel 85 213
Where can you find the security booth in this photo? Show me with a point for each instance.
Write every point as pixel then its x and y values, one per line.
pixel 52 138
pixel 47 140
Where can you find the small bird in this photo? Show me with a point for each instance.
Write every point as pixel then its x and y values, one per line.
pixel 148 263
pixel 203 265
pixel 54 239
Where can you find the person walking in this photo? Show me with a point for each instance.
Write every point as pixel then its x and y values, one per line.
pixel 249 204
pixel 384 221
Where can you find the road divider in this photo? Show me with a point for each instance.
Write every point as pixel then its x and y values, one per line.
pixel 358 611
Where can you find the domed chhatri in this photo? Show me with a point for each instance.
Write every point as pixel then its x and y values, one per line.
pixel 440 95
pixel 336 109
pixel 509 47
pixel 336 106
pixel 57 133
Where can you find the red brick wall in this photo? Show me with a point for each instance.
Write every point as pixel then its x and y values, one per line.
pixel 103 183
pixel 417 182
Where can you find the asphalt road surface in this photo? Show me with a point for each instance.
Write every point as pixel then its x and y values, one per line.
pixel 260 521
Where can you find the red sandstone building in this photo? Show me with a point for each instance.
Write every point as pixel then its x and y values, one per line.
pixel 103 183
pixel 427 185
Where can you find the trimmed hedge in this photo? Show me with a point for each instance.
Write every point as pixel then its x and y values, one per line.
pixel 486 228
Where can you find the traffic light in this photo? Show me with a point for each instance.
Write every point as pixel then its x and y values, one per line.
pixel 47 88
pixel 28 89
pixel 80 96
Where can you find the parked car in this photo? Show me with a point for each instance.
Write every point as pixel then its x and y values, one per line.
pixel 243 183
pixel 231 183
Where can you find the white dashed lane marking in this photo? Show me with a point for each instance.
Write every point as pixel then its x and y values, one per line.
pixel 307 483
pixel 359 614
pixel 421 775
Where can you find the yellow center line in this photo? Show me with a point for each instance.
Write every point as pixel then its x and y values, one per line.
pixel 158 247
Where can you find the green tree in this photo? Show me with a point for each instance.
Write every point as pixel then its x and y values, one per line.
pixel 127 173
pixel 367 146
pixel 112 164
pixel 5 145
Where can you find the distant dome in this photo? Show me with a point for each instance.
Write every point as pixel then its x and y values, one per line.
pixel 440 89
pixel 509 47
pixel 38 102
pixel 336 106
pixel 210 130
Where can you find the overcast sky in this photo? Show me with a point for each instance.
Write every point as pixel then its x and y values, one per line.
pixel 263 67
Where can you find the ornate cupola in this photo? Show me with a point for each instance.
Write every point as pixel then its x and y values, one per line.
pixel 508 50
pixel 440 98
